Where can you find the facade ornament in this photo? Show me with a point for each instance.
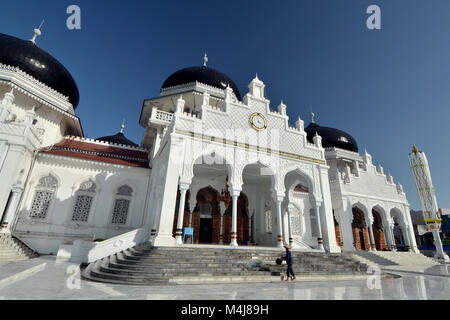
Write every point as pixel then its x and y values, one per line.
pixel 299 124
pixel 282 108
pixel 317 140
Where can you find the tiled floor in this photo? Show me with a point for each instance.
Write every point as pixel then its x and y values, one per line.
pixel 59 280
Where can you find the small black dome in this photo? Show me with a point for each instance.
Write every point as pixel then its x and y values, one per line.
pixel 204 75
pixel 118 138
pixel 34 61
pixel 332 137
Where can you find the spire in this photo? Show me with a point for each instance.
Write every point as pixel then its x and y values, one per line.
pixel 122 126
pixel 37 33
pixel 205 59
pixel 312 114
pixel 415 150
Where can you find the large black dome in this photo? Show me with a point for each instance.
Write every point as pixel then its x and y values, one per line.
pixel 201 74
pixel 34 61
pixel 332 137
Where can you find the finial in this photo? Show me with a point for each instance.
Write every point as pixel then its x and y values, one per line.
pixel 415 150
pixel 312 117
pixel 205 59
pixel 312 114
pixel 256 77
pixel 37 32
pixel 122 126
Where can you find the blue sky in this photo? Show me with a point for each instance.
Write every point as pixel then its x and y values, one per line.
pixel 388 88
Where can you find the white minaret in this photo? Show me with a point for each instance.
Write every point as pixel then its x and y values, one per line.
pixel 422 176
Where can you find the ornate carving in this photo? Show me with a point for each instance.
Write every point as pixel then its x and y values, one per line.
pixel 48 182
pixel 88 186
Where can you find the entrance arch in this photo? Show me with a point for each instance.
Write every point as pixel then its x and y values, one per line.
pixel 206 216
pixel 378 233
pixel 399 232
pixel 359 230
pixel 300 193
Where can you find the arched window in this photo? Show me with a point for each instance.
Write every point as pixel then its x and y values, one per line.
pixel 83 201
pixel 122 205
pixel 45 191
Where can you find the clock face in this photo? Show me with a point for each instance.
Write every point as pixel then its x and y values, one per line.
pixel 258 121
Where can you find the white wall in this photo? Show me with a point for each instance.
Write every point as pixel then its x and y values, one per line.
pixel 58 228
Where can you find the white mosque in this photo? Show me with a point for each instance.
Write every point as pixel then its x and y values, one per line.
pixel 227 167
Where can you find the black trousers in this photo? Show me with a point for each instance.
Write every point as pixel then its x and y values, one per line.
pixel 289 271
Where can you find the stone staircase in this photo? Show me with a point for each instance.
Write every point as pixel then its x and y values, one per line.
pixel 12 249
pixel 389 258
pixel 370 257
pixel 147 265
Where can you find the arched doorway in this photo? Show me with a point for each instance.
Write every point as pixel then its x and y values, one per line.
pixel 299 190
pixel 359 230
pixel 401 239
pixel 206 216
pixel 378 234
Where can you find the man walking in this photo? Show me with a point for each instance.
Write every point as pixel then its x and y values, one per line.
pixel 288 259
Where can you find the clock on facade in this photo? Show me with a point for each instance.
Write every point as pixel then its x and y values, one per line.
pixel 258 121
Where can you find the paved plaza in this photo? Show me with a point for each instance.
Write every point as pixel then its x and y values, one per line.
pixel 47 278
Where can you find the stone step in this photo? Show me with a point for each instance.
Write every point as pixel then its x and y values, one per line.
pixel 12 249
pixel 144 264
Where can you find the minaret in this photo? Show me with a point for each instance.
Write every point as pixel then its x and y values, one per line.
pixel 430 210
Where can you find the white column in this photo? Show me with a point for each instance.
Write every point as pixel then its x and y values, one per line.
pixel 284 217
pixel 372 239
pixel 319 227
pixel 250 235
pixel 391 233
pixel 235 194
pixel 289 227
pixel 406 238
pixel 279 200
pixel 326 211
pixel 179 231
pixel 410 230
pixel 10 211
pixel 369 222
pixel 222 209
pixel 346 229
pixel 165 211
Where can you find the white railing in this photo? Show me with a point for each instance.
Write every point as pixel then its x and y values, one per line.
pixel 161 117
pixel 87 252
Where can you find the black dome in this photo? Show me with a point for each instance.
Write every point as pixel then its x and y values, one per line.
pixel 34 61
pixel 204 75
pixel 332 137
pixel 118 139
